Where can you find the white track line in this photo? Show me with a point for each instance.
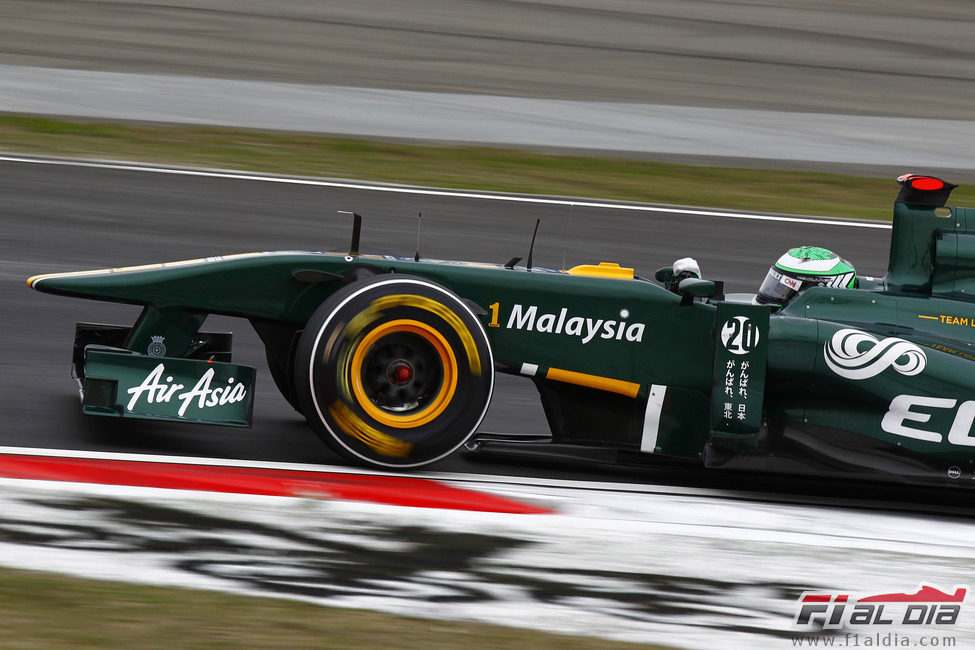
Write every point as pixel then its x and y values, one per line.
pixel 422 191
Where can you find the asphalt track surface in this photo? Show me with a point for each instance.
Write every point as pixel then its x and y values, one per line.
pixel 64 217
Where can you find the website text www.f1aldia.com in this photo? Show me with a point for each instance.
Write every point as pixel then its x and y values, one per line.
pixel 875 640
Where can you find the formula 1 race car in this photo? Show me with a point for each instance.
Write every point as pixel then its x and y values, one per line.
pixel 392 360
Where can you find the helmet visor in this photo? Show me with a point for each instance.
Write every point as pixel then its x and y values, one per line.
pixel 778 288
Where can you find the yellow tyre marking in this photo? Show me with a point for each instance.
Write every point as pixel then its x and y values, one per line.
pixel 378 441
pixel 431 305
pixel 447 388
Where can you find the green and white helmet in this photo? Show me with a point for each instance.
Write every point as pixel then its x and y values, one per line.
pixel 804 267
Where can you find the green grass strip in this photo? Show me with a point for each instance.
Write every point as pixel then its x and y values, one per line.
pixel 460 166
pixel 42 611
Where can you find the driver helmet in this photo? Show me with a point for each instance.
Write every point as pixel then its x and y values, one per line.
pixel 804 267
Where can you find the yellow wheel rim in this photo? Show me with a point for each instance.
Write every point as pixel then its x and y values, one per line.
pixel 444 354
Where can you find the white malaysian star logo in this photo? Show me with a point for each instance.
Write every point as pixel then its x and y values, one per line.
pixel 624 313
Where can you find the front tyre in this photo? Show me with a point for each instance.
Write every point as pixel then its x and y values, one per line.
pixel 394 371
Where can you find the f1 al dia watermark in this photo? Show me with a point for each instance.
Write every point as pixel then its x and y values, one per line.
pixel 927 605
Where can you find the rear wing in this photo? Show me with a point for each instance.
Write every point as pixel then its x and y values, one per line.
pixel 932 247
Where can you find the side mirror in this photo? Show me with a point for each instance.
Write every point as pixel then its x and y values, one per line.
pixel 664 275
pixel 697 288
pixel 692 288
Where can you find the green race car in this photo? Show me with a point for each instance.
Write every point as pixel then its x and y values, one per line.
pixel 392 360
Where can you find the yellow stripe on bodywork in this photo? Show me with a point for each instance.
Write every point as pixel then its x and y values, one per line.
pixel 608 384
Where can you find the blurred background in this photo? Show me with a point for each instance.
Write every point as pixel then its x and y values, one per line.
pixel 688 80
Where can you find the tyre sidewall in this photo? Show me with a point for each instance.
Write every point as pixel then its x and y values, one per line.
pixel 330 341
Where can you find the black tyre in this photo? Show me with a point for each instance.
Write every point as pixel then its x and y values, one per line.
pixel 281 380
pixel 394 371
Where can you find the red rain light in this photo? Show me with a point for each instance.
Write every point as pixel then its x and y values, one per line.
pixel 926 183
pixel 923 182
